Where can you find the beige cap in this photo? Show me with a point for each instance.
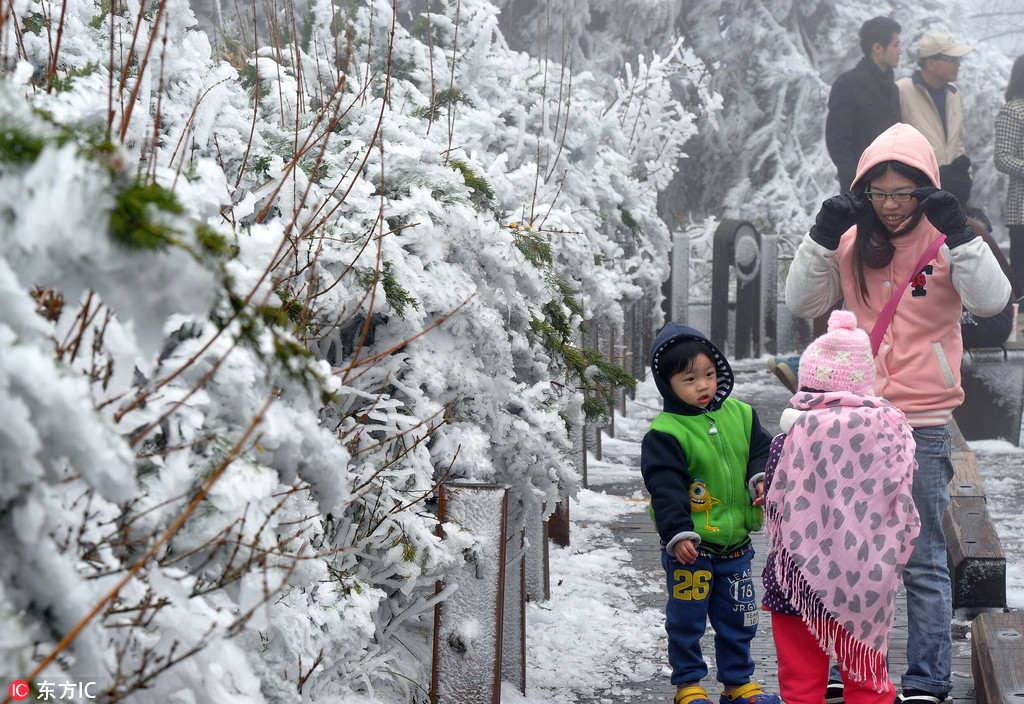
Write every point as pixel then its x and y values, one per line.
pixel 936 43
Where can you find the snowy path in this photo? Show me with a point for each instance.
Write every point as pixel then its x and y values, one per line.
pixel 595 629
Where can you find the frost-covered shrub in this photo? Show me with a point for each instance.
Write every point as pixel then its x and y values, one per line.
pixel 256 303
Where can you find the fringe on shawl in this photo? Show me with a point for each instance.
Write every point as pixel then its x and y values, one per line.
pixel 858 659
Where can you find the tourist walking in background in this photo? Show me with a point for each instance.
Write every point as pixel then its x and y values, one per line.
pixel 903 257
pixel 932 103
pixel 864 101
pixel 1009 158
pixel 832 573
pixel 703 462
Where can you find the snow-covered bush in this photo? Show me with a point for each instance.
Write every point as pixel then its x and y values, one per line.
pixel 256 303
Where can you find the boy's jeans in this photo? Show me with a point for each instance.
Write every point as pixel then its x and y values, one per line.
pixel 926 578
pixel 719 588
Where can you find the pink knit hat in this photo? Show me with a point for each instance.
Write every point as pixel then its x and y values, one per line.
pixel 839 360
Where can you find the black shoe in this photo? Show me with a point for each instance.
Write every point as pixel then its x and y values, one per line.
pixel 919 696
pixel 834 692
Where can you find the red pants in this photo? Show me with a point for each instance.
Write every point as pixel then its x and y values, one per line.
pixel 803 668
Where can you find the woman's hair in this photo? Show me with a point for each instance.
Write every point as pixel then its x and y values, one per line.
pixel 680 355
pixel 1015 88
pixel 873 247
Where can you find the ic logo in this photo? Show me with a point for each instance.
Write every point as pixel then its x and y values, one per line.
pixel 18 690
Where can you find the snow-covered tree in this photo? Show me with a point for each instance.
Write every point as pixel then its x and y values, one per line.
pixel 261 293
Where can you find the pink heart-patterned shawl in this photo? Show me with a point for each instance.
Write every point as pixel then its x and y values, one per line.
pixel 842 522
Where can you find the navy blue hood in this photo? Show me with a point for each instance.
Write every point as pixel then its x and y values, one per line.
pixel 671 334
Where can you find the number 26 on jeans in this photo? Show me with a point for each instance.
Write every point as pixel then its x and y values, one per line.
pixel 691 586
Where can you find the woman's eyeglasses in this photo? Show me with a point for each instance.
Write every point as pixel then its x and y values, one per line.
pixel 879 197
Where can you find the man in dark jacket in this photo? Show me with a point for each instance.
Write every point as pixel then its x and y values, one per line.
pixel 864 101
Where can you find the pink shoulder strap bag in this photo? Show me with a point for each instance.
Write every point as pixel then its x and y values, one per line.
pixel 885 317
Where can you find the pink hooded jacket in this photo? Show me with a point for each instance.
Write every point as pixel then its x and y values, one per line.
pixel 918 362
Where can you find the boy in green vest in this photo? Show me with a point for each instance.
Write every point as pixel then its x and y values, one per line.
pixel 703 462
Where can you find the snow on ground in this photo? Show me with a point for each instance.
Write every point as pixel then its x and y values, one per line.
pixel 592 630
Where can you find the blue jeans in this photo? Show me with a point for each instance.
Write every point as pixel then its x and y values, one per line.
pixel 926 577
pixel 719 588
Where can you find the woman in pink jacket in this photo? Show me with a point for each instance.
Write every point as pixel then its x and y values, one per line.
pixel 879 242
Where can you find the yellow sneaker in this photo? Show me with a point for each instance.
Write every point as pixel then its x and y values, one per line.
pixel 694 694
pixel 749 693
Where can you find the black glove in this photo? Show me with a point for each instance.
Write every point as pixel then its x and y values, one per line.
pixel 944 212
pixel 837 215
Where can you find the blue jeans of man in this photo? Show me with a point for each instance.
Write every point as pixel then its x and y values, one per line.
pixel 926 577
pixel 719 589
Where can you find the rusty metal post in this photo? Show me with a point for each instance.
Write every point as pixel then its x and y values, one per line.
pixel 558 523
pixel 770 292
pixel 613 358
pixel 596 337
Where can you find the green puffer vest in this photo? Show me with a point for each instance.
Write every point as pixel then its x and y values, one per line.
pixel 720 503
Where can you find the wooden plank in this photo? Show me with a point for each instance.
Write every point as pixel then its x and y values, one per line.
pixel 997 657
pixel 977 566
pixel 967 477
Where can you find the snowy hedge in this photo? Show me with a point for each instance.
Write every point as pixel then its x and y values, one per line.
pixel 257 300
pixel 264 284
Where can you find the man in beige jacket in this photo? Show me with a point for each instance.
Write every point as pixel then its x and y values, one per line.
pixel 931 102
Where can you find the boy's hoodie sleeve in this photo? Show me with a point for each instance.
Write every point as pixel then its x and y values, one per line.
pixel 667 478
pixel 760 446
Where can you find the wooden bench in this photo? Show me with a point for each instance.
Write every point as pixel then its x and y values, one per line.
pixel 977 569
pixel 997 657
pixel 977 565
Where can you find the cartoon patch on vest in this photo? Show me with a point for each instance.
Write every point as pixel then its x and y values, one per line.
pixel 701 501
